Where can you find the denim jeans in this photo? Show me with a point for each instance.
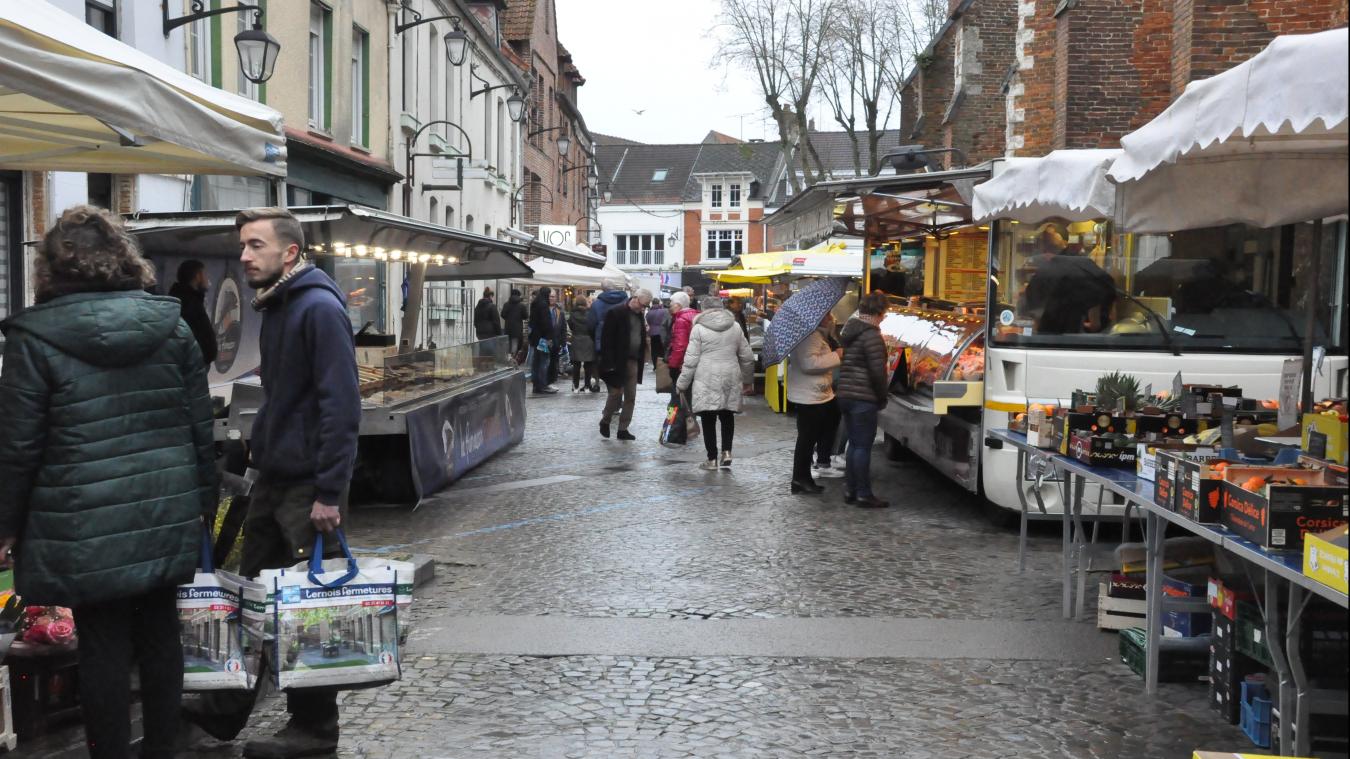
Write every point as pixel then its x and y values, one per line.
pixel 860 419
pixel 539 368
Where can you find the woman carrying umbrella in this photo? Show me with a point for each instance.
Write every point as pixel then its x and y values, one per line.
pixel 810 387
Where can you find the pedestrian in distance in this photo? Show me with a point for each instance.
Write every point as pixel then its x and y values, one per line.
pixel 682 323
pixel 658 330
pixel 862 392
pixel 737 307
pixel 108 468
pixel 190 289
pixel 487 322
pixel 611 296
pixel 582 347
pixel 810 385
pixel 541 341
pixel 621 355
pixel 304 448
pixel 717 372
pixel 558 335
pixel 691 295
pixel 514 313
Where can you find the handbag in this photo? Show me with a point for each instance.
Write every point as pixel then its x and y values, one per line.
pixel 675 427
pixel 664 384
pixel 336 622
pixel 222 645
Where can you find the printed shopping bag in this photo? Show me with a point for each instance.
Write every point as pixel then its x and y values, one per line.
pixel 222 647
pixel 675 428
pixel 664 384
pixel 335 623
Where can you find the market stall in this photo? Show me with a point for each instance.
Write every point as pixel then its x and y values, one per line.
pixel 454 405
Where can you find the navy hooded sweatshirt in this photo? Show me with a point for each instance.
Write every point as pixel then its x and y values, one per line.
pixel 307 427
pixel 603 303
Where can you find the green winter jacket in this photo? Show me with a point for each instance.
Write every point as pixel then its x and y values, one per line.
pixel 106 456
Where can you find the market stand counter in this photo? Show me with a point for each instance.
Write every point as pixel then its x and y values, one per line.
pixel 1279 574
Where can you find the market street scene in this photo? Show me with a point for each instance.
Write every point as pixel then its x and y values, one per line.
pixel 725 378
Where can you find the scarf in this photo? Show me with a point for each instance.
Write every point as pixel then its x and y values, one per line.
pixel 264 297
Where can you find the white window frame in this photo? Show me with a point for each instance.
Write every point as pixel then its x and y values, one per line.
pixel 715 237
pixel 359 94
pixel 197 35
pixel 317 74
pixel 734 195
pixel 715 195
pixel 640 249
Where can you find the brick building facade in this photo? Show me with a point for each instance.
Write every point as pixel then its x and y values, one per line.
pixel 1086 72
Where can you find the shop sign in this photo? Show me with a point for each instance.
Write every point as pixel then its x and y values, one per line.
pixel 448 438
pixel 557 235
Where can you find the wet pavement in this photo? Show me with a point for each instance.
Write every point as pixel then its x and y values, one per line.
pixel 598 598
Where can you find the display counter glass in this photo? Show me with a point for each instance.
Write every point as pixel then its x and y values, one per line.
pixel 942 345
pixel 411 376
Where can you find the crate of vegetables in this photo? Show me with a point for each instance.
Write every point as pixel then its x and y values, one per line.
pixel 1276 507
pixel 1107 450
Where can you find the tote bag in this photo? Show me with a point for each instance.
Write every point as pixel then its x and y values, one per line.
pixel 222 644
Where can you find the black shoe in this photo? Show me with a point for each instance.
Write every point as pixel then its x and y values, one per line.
pixel 291 742
pixel 545 391
pixel 222 727
pixel 872 502
pixel 595 388
pixel 801 486
pixel 604 429
pixel 625 435
pixel 850 498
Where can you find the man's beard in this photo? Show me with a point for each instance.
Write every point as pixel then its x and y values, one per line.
pixel 265 283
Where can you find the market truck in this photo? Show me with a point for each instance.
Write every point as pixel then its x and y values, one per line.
pixel 1220 306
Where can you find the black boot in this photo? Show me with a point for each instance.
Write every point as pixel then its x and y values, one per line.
pixel 294 741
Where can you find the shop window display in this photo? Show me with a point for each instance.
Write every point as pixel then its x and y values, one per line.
pixel 1081 285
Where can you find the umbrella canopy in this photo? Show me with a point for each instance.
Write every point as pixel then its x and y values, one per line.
pixel 800 315
pixel 75 99
pixel 1263 143
pixel 1069 184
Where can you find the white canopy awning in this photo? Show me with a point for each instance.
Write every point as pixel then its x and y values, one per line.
pixel 1264 143
pixel 75 99
pixel 551 272
pixel 1069 184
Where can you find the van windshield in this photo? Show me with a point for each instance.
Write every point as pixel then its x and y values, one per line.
pixel 1081 285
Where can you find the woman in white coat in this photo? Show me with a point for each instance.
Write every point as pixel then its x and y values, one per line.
pixel 719 368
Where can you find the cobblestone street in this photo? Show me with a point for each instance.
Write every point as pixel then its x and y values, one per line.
pixel 595 598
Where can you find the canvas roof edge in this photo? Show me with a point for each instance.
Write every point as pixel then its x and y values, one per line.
pixel 811 196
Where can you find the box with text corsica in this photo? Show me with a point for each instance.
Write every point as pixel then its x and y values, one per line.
pixel 1165 484
pixel 1150 455
pixel 1325 558
pixel 1200 487
pixel 1277 508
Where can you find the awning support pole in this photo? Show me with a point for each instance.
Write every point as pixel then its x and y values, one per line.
pixel 1310 323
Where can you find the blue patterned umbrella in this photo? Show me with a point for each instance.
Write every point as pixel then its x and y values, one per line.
pixel 800 315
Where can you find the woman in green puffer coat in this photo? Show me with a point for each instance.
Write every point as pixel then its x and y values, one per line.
pixel 108 469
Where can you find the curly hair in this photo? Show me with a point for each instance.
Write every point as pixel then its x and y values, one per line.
pixel 88 250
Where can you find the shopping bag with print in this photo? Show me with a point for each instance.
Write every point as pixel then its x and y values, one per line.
pixel 222 649
pixel 675 428
pixel 336 622
pixel 664 384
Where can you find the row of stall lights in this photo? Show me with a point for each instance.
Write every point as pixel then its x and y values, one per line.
pixel 344 250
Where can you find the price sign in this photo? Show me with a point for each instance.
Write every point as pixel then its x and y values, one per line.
pixel 1291 382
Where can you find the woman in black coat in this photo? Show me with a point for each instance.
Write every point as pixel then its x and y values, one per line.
pixel 541 341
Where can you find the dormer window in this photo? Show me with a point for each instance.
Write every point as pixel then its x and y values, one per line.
pixel 734 196
pixel 715 196
pixel 659 175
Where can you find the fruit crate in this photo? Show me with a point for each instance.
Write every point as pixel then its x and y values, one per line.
pixel 1249 640
pixel 1119 613
pixel 1175 666
pixel 1255 708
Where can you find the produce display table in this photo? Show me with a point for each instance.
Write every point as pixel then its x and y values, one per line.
pixel 1279 573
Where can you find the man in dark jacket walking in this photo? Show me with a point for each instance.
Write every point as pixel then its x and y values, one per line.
pixel 486 322
pixel 612 295
pixel 304 446
pixel 862 392
pixel 190 290
pixel 108 469
pixel 514 315
pixel 541 341
pixel 622 354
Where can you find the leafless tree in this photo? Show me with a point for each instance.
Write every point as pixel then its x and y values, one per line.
pixel 783 42
pixel 866 57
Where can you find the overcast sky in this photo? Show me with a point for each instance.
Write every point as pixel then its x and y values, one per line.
pixel 655 56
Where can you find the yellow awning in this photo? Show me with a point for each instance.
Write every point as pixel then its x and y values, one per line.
pixel 74 99
pixel 763 268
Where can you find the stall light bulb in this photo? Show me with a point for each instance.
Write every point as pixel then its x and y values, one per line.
pixel 379 252
pixel 397 255
pixel 360 250
pixel 440 260
pixel 423 258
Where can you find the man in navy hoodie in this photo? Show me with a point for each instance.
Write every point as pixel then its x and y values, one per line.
pixel 613 295
pixel 304 447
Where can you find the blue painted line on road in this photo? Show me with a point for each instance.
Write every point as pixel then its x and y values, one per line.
pixel 541 520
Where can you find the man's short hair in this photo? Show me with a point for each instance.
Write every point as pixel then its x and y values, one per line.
pixel 284 224
pixel 643 296
pixel 187 271
pixel 872 304
pixel 612 284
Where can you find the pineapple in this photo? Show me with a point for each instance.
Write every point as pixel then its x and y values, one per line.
pixel 1114 386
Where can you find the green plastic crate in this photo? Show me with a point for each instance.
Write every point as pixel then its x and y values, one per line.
pixel 1174 667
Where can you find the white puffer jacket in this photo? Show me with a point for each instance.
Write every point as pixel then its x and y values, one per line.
pixel 810 379
pixel 717 363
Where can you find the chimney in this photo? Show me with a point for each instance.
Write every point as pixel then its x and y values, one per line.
pixel 810 125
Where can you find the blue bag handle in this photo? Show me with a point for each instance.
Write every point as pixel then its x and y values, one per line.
pixel 206 562
pixel 316 562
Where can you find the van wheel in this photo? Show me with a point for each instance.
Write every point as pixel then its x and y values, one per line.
pixel 896 450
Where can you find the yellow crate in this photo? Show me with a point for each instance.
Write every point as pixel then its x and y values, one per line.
pixel 1324 557
pixel 1330 434
pixel 1229 755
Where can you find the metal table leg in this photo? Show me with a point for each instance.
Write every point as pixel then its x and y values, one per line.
pixel 1269 605
pixel 1080 544
pixel 1299 717
pixel 1153 550
pixel 1066 550
pixel 1022 499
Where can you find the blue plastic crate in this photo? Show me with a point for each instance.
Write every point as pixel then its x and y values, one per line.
pixel 1255 713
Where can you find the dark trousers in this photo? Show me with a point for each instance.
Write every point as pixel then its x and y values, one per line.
pixel 622 399
pixel 860 417
pixel 278 534
pixel 586 367
pixel 816 423
pixel 710 418
pixel 144 630
pixel 553 359
pixel 658 349
pixel 539 368
pixel 832 436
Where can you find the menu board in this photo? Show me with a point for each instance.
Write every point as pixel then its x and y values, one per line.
pixel 964 268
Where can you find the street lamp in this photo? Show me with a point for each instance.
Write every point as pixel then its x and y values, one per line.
pixel 456 40
pixel 258 50
pixel 564 142
pixel 515 102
